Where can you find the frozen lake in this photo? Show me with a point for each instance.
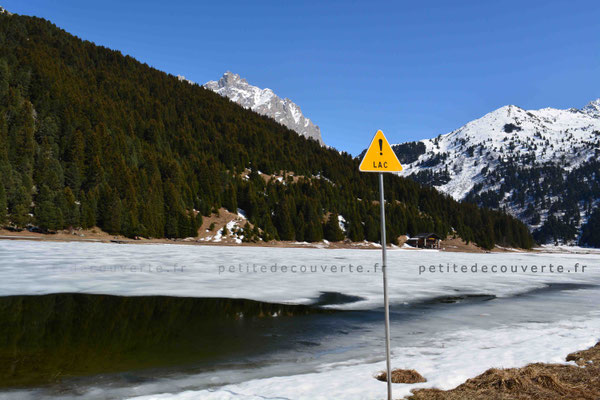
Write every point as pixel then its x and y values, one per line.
pixel 448 325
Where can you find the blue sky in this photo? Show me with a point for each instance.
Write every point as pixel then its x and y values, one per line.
pixel 412 69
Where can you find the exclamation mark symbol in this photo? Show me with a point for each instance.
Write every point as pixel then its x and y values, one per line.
pixel 380 147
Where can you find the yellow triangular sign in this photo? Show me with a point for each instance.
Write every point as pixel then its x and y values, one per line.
pixel 380 157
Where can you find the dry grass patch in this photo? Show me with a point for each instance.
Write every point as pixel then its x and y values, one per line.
pixel 402 376
pixel 533 382
pixel 586 357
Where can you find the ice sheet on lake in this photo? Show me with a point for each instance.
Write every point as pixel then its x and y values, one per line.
pixel 179 270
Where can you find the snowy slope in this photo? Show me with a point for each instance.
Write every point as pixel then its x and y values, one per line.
pixel 265 102
pixel 565 137
pixel 512 158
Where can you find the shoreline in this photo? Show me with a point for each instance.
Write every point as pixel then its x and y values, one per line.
pixel 449 245
pixel 577 378
pixel 97 236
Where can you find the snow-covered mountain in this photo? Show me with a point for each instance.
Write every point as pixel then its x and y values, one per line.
pixel 265 102
pixel 541 165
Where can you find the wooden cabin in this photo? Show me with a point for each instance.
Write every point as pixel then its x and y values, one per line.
pixel 425 241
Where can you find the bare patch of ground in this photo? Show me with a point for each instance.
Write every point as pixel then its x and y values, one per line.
pixel 533 382
pixel 212 227
pixel 94 234
pixel 459 245
pixel 280 176
pixel 402 376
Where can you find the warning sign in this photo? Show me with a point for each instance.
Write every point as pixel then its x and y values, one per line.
pixel 380 157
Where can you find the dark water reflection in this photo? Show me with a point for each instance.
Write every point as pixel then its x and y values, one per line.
pixel 50 337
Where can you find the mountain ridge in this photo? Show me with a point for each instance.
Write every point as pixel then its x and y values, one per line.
pixel 265 102
pixel 486 160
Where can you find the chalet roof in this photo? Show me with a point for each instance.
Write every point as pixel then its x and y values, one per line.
pixel 426 236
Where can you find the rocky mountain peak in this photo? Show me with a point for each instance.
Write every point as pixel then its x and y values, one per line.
pixel 265 102
pixel 229 78
pixel 592 108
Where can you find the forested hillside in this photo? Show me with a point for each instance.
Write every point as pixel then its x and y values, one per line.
pixel 89 137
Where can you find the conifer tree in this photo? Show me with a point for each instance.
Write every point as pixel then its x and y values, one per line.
pixel 3 204
pixel 20 216
pixel 109 210
pixel 355 230
pixel 590 235
pixel 300 227
pixel 173 211
pixel 372 230
pixel 113 218
pixel 48 216
pixel 4 79
pixel 230 199
pixel 314 232
pixel 283 222
pixel 71 210
pixel 88 210
pixel 332 230
pixel 23 131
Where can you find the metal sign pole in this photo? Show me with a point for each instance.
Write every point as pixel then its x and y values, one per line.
pixel 380 157
pixel 386 303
